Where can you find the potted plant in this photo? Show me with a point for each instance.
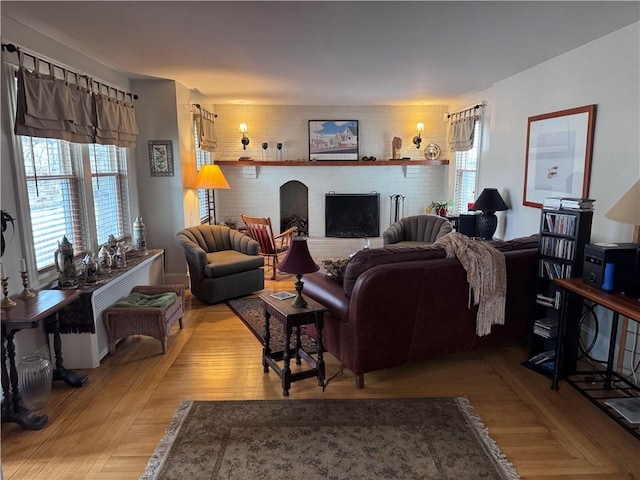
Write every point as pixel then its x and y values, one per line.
pixel 230 222
pixel 442 207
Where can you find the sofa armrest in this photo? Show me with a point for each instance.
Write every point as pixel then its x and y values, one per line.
pixel 244 243
pixel 328 292
pixel 393 234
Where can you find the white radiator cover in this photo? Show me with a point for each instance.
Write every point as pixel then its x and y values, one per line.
pixel 85 350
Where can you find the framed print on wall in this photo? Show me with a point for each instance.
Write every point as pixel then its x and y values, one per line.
pixel 161 158
pixel 333 140
pixel 558 158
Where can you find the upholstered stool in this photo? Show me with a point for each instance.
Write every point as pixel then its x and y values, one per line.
pixel 145 311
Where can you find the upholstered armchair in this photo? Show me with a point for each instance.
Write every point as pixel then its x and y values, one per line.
pixel 416 230
pixel 223 263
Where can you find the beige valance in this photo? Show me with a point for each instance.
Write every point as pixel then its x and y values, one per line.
pixel 52 107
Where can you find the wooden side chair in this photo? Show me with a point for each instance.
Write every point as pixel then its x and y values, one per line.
pixel 271 246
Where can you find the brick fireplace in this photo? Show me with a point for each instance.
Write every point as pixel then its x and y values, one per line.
pixel 258 191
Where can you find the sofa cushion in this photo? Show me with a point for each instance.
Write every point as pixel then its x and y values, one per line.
pixel 228 262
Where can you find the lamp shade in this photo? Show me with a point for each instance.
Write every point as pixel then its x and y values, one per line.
pixel 490 201
pixel 210 176
pixel 298 259
pixel 627 209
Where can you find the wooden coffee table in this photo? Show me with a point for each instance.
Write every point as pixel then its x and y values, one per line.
pixel 291 317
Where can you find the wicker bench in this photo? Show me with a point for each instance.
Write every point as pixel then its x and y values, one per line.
pixel 156 322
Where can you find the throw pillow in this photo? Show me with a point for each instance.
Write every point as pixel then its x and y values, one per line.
pixel 334 269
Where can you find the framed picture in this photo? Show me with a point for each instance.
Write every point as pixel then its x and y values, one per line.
pixel 558 157
pixel 333 140
pixel 161 158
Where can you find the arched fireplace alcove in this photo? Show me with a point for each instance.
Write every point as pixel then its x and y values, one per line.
pixel 294 206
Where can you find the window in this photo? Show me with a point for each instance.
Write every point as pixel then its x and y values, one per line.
pixel 75 190
pixel 202 157
pixel 57 199
pixel 55 192
pixel 465 174
pixel 110 193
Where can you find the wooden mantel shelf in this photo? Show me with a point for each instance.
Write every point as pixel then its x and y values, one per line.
pixel 328 163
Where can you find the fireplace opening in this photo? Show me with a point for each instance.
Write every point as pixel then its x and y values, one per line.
pixel 294 207
pixel 352 215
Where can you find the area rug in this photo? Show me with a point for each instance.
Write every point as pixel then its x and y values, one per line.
pixel 251 312
pixel 417 438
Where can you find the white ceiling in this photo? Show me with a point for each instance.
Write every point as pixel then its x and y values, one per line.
pixel 324 53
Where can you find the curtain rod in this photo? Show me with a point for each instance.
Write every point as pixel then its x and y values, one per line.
pixel 197 105
pixel 11 48
pixel 474 107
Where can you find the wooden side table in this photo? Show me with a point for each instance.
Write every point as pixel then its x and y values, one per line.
pixel 27 314
pixel 291 317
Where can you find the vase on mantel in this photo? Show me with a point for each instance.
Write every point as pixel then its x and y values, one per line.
pixel 35 377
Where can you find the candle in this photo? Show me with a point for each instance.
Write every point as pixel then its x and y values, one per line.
pixel 2 274
pixel 23 265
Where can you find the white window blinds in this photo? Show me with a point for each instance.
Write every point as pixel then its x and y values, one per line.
pixel 466 168
pixel 110 195
pixel 52 170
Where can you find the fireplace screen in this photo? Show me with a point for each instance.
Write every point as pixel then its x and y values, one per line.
pixel 352 215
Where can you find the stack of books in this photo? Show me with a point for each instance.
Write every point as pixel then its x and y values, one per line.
pixel 567 202
pixel 546 328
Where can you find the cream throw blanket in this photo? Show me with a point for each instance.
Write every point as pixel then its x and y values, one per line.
pixel 486 274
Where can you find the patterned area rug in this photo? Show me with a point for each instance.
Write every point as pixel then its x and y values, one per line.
pixel 328 439
pixel 251 312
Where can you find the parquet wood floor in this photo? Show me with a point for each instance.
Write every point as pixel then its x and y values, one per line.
pixel 108 429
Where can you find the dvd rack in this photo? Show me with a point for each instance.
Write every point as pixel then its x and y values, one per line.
pixel 563 236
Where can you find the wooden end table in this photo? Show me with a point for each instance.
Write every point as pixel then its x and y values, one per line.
pixel 27 313
pixel 293 317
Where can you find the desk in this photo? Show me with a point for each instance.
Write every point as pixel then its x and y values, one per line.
pixel 612 385
pixel 293 317
pixel 27 314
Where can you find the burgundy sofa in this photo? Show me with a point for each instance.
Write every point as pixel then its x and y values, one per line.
pixel 402 304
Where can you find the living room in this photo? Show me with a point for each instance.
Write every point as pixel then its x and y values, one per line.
pixel 603 71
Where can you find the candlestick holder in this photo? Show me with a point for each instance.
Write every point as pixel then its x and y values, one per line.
pixel 27 292
pixel 6 301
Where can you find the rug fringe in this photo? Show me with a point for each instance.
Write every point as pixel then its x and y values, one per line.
pixel 489 444
pixel 160 454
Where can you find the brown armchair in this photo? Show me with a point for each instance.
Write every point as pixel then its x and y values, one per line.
pixel 271 246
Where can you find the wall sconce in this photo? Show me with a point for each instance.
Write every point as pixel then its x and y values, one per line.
pixel 245 139
pixel 417 139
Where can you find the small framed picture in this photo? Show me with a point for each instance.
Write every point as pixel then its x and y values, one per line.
pixel 333 140
pixel 161 158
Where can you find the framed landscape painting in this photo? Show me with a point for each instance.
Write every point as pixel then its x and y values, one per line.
pixel 558 157
pixel 333 140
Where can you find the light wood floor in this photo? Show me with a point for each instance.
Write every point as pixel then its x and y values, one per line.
pixel 109 428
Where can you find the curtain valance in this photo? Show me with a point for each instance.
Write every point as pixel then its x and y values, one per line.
pixel 462 129
pixel 52 107
pixel 205 124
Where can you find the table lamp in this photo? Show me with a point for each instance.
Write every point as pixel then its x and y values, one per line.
pixel 489 202
pixel 298 261
pixel 211 177
pixel 627 210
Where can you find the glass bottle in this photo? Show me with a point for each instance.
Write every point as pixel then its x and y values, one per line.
pixel 35 376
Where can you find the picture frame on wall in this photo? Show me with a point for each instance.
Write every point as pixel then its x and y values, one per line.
pixel 161 158
pixel 558 155
pixel 333 140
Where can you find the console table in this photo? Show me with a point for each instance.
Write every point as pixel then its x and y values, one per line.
pixel 27 313
pixel 597 385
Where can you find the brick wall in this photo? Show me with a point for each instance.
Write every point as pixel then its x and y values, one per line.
pixel 256 190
